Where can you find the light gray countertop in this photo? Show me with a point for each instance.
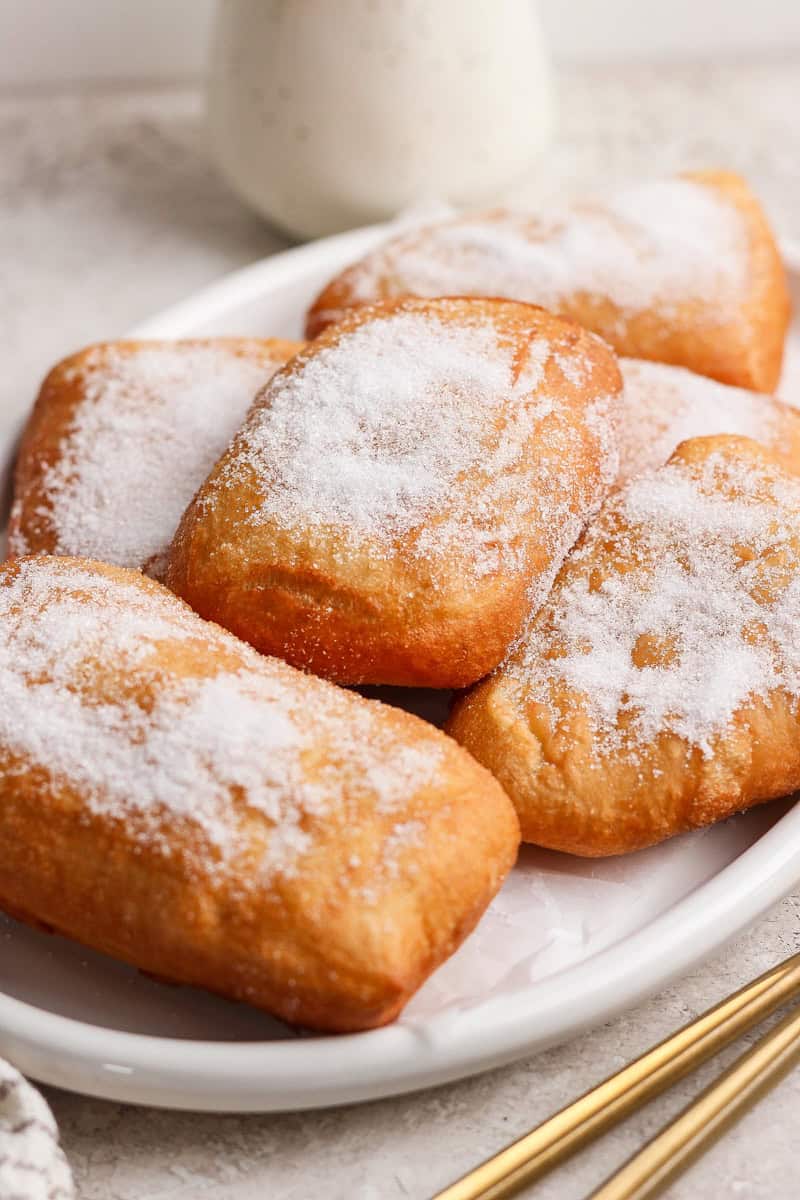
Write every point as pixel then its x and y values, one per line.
pixel 110 210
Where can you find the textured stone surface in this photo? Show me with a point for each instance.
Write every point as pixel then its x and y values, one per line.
pixel 109 210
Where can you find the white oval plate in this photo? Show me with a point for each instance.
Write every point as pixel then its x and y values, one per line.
pixel 567 943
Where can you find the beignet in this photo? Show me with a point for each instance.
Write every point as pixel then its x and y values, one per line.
pixel 681 270
pixel 663 406
pixel 171 798
pixel 121 437
pixel 658 689
pixel 404 490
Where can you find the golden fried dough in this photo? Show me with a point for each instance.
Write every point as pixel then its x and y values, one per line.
pixel 681 270
pixel 171 798
pixel 121 437
pixel 658 689
pixel 404 490
pixel 663 406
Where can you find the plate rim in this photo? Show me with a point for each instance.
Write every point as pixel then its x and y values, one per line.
pixel 305 1073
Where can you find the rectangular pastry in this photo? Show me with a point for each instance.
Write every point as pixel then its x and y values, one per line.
pixel 217 818
pixel 121 437
pixel 658 689
pixel 682 270
pixel 404 490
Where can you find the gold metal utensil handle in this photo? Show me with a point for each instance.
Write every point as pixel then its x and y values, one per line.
pixel 727 1099
pixel 562 1134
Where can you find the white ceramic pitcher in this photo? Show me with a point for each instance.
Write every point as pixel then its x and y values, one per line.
pixel 326 114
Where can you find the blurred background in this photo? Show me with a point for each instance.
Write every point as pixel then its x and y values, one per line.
pixel 69 40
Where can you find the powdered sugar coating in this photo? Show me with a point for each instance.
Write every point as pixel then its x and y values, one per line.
pixel 663 406
pixel 680 605
pixel 603 421
pixel 151 423
pixel 371 435
pixel 657 244
pixel 165 753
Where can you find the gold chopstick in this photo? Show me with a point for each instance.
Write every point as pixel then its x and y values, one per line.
pixel 537 1152
pixel 723 1102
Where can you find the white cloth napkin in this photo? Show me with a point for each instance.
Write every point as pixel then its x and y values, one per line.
pixel 32 1163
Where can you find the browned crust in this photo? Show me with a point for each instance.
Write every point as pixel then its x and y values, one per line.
pixel 62 393
pixel 308 947
pixel 568 799
pixel 746 352
pixel 362 617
